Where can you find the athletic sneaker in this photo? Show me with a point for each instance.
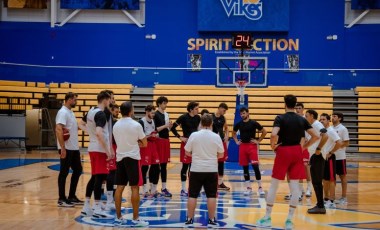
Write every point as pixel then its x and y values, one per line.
pixel 308 193
pixel 86 211
pixel 65 203
pixel 189 222
pixel 100 214
pixel 147 195
pixel 289 224
pixel 342 200
pixel 184 193
pixel 248 191
pixel 261 191
pixel 110 206
pixel 288 197
pixel 155 195
pixel 264 222
pixel 330 205
pixel 120 222
pixel 316 210
pixel 139 223
pixel 223 187
pixel 75 200
pixel 212 223
pixel 165 192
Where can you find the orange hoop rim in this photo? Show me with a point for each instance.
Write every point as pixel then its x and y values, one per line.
pixel 241 83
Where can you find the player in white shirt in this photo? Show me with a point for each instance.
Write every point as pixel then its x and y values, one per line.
pixel 333 143
pixel 205 147
pixel 129 137
pixel 340 154
pixel 69 151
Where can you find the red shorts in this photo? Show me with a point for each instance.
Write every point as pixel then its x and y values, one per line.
pixel 225 156
pixel 111 164
pixel 182 155
pixel 248 153
pixel 149 154
pixel 163 149
pixel 306 156
pixel 98 163
pixel 289 160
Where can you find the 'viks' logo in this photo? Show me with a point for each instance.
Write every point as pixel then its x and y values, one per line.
pixel 251 9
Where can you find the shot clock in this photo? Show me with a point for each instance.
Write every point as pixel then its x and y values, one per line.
pixel 242 41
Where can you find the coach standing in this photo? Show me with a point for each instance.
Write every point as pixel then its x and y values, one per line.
pixel 69 151
pixel 205 147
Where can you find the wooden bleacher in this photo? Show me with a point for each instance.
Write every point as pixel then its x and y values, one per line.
pixel 368 119
pixel 87 94
pixel 264 103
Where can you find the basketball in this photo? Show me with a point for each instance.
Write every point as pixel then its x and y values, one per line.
pixel 66 134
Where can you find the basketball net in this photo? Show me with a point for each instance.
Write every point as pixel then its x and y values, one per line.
pixel 240 85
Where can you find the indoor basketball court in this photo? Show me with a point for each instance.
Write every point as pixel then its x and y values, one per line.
pixel 77 57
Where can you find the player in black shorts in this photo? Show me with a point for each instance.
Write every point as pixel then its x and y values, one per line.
pixel 220 127
pixel 189 123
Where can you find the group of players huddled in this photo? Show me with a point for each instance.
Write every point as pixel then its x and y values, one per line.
pixel 122 151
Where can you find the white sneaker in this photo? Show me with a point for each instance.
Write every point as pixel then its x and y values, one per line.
pixel 121 222
pixel 342 201
pixel 330 205
pixel 86 211
pixel 308 193
pixel 100 214
pixel 261 191
pixel 248 191
pixel 110 207
pixel 139 223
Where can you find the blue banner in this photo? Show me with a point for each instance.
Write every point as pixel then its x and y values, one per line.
pixel 101 4
pixel 243 15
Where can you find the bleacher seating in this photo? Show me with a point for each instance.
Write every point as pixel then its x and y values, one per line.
pixel 368 119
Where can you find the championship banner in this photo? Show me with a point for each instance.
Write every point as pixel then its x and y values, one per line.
pixel 20 4
pixel 101 4
pixel 243 15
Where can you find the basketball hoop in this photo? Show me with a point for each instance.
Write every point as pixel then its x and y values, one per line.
pixel 240 85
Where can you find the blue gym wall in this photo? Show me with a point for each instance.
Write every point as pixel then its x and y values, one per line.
pixel 115 45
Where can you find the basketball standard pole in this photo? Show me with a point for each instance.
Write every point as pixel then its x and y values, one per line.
pixel 233 148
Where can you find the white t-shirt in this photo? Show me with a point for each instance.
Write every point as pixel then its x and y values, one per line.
pixel 330 143
pixel 317 126
pixel 67 118
pixel 205 146
pixel 344 136
pixel 127 132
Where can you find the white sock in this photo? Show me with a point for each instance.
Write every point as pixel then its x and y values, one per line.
pixel 309 186
pixel 220 180
pixel 163 185
pixel 268 211
pixel 183 185
pixel 202 189
pixel 259 183
pixel 291 213
pixel 109 195
pixel 300 186
pixel 97 206
pixel 153 188
pixel 145 188
pixel 295 191
pixel 87 202
pixel 247 184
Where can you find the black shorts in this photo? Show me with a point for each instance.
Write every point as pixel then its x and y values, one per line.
pixel 341 167
pixel 330 169
pixel 128 171
pixel 209 180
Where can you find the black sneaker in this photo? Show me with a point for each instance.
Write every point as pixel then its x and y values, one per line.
pixel 223 187
pixel 65 203
pixel 212 223
pixel 75 200
pixel 189 222
pixel 316 210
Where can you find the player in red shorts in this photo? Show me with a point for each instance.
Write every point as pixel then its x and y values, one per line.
pixel 189 123
pixel 100 151
pixel 220 127
pixel 287 135
pixel 149 156
pixel 248 148
pixel 163 126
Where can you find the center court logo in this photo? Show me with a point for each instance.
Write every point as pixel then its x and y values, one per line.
pixel 251 9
